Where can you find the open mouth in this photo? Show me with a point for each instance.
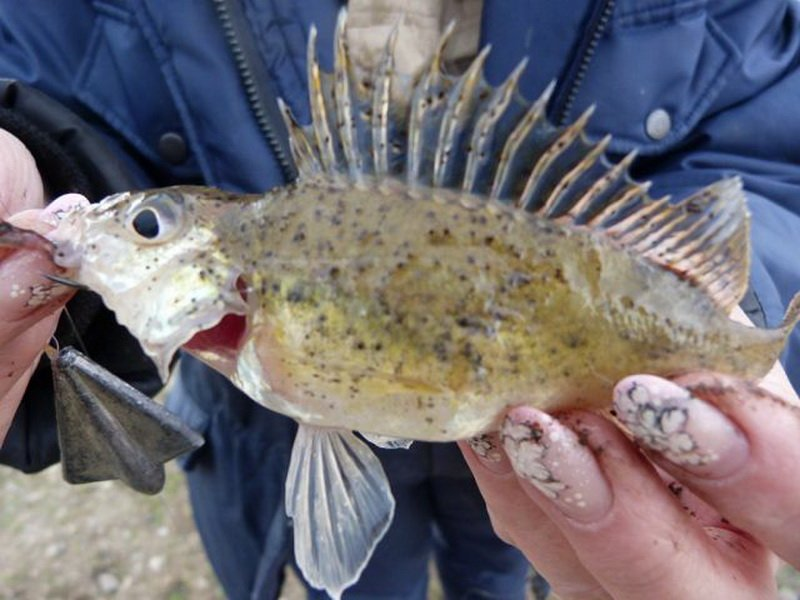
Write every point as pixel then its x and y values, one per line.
pixel 226 336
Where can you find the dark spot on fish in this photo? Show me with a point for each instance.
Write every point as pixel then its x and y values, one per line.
pixel 693 207
pixel 296 294
pixel 472 355
pixel 574 340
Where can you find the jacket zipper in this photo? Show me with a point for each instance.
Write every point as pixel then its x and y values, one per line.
pixel 257 88
pixel 582 57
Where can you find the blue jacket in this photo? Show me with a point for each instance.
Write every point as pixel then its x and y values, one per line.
pixel 702 89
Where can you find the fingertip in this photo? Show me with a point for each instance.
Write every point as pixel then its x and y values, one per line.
pixel 553 459
pixel 665 418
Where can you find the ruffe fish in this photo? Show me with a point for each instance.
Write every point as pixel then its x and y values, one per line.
pixel 445 253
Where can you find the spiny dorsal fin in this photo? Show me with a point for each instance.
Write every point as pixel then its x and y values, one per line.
pixel 458 132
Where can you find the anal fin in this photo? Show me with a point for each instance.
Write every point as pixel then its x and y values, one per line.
pixel 108 429
pixel 340 500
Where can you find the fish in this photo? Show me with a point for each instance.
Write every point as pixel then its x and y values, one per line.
pixel 446 253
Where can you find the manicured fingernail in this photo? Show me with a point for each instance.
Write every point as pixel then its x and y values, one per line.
pixel 63 205
pixel 487 448
pixel 552 458
pixel 23 289
pixel 666 418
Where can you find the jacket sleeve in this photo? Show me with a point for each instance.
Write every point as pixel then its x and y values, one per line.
pixel 72 157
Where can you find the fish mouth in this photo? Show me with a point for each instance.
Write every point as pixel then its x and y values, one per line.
pixel 220 344
pixel 224 338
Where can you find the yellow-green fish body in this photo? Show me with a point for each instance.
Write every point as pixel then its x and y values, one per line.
pixel 421 314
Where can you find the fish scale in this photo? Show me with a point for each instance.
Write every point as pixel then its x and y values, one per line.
pixel 446 253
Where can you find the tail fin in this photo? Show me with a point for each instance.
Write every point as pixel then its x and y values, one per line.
pixel 792 315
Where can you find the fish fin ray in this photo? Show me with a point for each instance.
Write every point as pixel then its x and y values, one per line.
pixel 386 442
pixel 704 238
pixel 792 315
pixel 339 499
pixel 304 151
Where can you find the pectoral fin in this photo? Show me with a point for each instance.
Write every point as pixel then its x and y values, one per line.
pixel 340 500
pixel 110 430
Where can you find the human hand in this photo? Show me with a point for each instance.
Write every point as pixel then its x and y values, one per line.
pixel 29 304
pixel 698 513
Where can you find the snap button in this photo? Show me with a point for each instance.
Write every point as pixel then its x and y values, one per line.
pixel 658 124
pixel 172 148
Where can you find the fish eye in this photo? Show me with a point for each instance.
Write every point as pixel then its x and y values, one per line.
pixel 145 223
pixel 157 218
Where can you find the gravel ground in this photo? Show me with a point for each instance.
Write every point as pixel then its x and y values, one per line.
pixel 103 541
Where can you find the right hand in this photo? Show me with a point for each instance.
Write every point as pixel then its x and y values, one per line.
pixel 29 304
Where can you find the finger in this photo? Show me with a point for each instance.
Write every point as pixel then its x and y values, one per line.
pixel 14 378
pixel 20 183
pixel 612 508
pixel 734 444
pixel 519 521
pixel 28 305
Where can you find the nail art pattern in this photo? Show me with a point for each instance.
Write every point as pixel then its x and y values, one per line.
pixel 37 295
pixel 661 425
pixel 530 446
pixel 485 446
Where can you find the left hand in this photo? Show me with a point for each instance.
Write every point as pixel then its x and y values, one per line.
pixel 700 512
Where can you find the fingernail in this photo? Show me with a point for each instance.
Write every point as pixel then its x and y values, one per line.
pixel 666 418
pixel 23 289
pixel 552 458
pixel 63 205
pixel 487 448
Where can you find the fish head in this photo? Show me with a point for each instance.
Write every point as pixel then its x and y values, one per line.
pixel 156 259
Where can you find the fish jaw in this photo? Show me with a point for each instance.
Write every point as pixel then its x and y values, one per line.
pixel 165 294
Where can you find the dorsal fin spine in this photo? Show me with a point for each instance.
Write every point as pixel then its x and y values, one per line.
pixel 527 199
pixel 319 116
pixel 345 118
pixel 381 99
pixel 502 184
pixel 581 210
pixel 482 136
pixel 304 153
pixel 423 101
pixel 573 175
pixel 459 109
